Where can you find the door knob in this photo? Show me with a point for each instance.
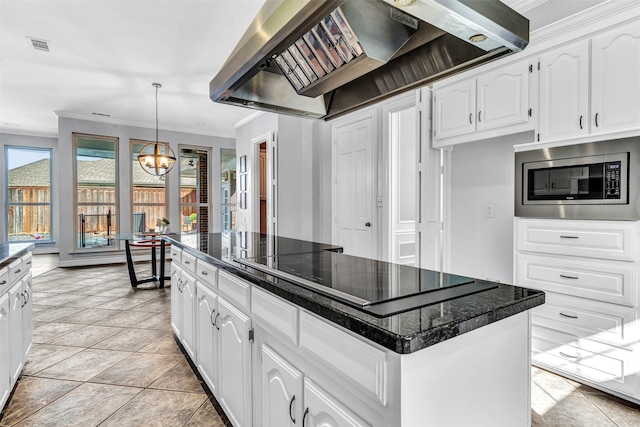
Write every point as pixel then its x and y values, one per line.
pixel 367 224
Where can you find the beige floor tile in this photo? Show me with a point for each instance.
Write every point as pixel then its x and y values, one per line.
pixel 32 394
pixel 206 415
pixel 138 370
pixel 573 410
pixel 52 330
pixel 88 316
pixel 121 304
pixel 156 305
pixel 88 405
pixel 179 378
pixel 164 345
pixel 621 412
pixel 84 365
pixel 160 321
pixel 55 313
pixel 126 319
pixel 54 299
pixel 87 336
pixel 157 408
pixel 44 355
pixel 88 301
pixel 132 339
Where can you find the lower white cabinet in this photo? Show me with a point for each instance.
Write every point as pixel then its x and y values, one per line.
pixel 188 332
pixel 235 363
pixel 589 327
pixel 322 410
pixel 15 322
pixel 5 380
pixel 281 387
pixel 206 336
pixel 176 299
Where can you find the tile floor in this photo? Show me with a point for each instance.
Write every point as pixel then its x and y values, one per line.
pixel 104 354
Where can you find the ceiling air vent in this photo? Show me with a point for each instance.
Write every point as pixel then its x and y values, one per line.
pixel 39 44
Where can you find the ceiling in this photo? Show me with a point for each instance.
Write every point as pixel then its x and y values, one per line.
pixel 104 56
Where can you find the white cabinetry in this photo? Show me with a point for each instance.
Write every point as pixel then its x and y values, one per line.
pixel 176 299
pixel 207 338
pixel 588 327
pixel 15 322
pixel 323 410
pixel 579 97
pixel 281 387
pixel 188 295
pixel 497 101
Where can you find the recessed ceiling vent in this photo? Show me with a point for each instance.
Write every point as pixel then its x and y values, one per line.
pixel 39 44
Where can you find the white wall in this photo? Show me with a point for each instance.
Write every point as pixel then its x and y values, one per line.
pixel 303 176
pixel 483 172
pixel 67 126
pixel 36 142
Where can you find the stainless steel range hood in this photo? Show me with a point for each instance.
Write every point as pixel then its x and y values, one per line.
pixel 322 59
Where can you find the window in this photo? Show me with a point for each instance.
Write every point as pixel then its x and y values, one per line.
pixel 149 194
pixel 228 189
pixel 28 194
pixel 194 190
pixel 96 188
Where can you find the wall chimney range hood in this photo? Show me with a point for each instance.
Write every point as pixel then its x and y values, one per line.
pixel 321 59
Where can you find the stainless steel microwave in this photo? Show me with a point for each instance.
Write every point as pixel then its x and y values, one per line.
pixel 599 180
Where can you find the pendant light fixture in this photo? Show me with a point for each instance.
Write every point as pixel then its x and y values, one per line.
pixel 156 158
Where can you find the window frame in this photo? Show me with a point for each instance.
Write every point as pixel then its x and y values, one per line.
pixel 8 203
pixel 112 245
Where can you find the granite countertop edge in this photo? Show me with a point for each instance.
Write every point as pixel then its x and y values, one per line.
pixel 348 317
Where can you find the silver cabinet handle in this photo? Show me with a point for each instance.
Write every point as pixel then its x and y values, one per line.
pixel 580 122
pixel 293 398
pixel 596 119
pixel 567 355
pixel 4 282
pixel 187 262
pixel 568 315
pixel 569 237
pixel 18 270
pixel 204 273
pixel 29 263
pixel 480 115
pixel 470 118
pixel 304 417
pixel 215 321
pixel 211 317
pixel 564 276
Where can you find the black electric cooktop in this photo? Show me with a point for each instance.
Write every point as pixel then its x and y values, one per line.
pixel 376 287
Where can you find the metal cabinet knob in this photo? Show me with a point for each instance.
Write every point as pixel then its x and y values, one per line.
pixel 367 224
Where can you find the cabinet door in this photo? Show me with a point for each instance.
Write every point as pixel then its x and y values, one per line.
pixel 281 390
pixel 235 364
pixel 27 309
pixel 188 332
pixel 5 356
pixel 322 410
pixel 207 338
pixel 503 97
pixel 615 102
pixel 16 301
pixel 176 299
pixel 454 109
pixel 564 91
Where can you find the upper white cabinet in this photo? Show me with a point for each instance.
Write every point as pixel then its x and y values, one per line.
pixel 564 88
pixel 496 102
pixel 615 95
pixel 579 97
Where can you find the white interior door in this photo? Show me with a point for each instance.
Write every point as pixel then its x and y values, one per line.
pixel 354 186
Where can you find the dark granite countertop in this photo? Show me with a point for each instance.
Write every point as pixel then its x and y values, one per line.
pixel 10 251
pixel 402 333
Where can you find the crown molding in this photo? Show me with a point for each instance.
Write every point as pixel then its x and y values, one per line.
pixel 525 5
pixel 8 131
pixel 247 119
pixel 122 122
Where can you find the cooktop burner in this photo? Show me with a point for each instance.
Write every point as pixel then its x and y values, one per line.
pixel 378 287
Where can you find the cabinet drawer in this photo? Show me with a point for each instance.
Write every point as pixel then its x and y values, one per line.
pixel 27 262
pixel 235 289
pixel 188 262
pixel 16 270
pixel 359 361
pixel 275 314
pixel 4 279
pixel 207 273
pixel 599 280
pixel 176 254
pixel 596 239
pixel 602 322
pixel 605 365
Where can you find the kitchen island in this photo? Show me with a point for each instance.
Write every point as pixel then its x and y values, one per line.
pixel 275 351
pixel 15 313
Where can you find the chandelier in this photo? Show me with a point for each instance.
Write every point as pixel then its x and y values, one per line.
pixel 156 158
